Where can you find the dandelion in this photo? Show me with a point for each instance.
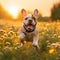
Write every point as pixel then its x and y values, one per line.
pixel 54 44
pixel 1 40
pixel 59 36
pixel 51 51
pixel 11 32
pixel 1 30
pixel 45 29
pixel 7 46
pixel 47 41
pixel 58 44
pixel 43 33
pixel 55 34
pixel 47 24
pixel 15 48
pixel 5 35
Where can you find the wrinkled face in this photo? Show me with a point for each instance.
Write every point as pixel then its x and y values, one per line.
pixel 29 22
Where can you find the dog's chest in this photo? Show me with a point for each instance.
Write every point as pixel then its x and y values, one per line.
pixel 29 36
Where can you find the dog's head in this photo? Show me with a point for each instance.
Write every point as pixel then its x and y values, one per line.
pixel 30 20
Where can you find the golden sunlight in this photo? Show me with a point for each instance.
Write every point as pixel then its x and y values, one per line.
pixel 13 10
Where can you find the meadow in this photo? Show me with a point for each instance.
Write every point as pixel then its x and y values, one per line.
pixel 49 42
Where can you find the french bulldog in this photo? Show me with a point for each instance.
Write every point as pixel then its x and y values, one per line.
pixel 29 31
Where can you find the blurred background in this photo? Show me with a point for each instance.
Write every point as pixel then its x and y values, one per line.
pixel 48 24
pixel 48 9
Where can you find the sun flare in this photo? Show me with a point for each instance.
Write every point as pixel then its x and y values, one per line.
pixel 13 10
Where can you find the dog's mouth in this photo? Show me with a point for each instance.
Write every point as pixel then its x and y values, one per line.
pixel 30 27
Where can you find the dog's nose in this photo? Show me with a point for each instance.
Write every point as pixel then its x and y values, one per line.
pixel 30 21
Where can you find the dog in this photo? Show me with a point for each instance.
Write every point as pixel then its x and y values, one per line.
pixel 29 31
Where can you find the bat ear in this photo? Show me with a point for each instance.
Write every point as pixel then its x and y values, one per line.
pixel 35 14
pixel 23 12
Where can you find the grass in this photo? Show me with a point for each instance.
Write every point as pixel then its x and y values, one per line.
pixel 49 42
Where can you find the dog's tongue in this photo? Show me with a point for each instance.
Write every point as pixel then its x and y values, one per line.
pixel 30 27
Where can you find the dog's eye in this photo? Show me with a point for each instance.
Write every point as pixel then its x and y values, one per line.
pixel 34 18
pixel 26 18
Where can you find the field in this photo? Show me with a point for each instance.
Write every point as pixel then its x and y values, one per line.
pixel 49 42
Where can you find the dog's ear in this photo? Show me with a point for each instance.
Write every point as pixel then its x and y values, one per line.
pixel 23 13
pixel 35 14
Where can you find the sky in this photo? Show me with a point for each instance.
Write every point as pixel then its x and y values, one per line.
pixel 14 6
